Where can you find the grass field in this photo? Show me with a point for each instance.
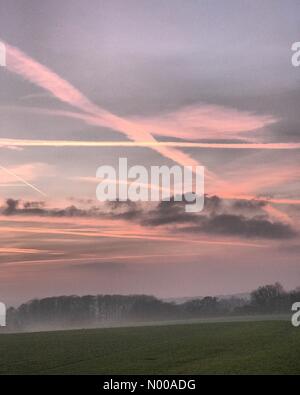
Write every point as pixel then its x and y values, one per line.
pixel 271 347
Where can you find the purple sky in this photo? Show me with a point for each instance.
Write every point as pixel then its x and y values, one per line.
pixel 179 71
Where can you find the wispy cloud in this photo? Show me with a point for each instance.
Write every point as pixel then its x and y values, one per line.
pixel 14 250
pixel 125 235
pixel 206 121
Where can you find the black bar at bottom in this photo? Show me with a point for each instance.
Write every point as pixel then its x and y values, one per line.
pixel 93 384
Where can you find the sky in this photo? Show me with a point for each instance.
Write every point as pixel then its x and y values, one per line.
pixel 217 75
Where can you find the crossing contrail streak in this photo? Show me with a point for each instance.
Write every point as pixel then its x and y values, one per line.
pixel 21 64
pixel 22 180
pixel 136 236
pixel 86 260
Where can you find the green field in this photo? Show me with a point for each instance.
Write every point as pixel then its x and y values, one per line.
pixel 225 348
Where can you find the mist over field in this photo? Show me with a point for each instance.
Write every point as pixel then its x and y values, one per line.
pixel 70 312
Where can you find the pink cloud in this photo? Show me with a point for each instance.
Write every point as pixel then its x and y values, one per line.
pixel 205 121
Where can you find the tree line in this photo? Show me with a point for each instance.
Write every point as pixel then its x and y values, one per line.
pixel 98 310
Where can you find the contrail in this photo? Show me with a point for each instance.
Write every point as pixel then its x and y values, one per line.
pixel 40 75
pixel 135 144
pixel 22 180
pixel 86 260
pixel 97 234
